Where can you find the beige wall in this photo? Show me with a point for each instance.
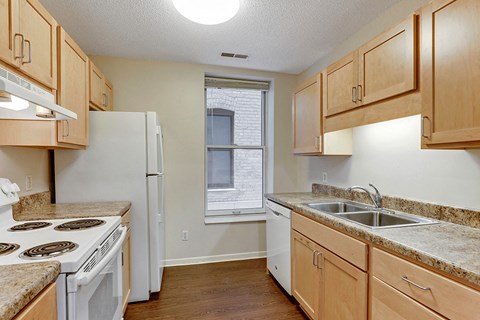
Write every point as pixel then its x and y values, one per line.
pixel 176 92
pixel 16 163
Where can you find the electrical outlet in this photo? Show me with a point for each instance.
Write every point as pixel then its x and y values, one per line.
pixel 28 182
pixel 185 235
pixel 325 177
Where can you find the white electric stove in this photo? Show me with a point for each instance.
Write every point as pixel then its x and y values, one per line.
pixel 88 249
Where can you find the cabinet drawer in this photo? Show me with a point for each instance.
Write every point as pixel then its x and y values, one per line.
pixel 445 296
pixel 43 307
pixel 388 303
pixel 346 247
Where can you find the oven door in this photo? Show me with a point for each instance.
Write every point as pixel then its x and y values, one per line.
pixel 96 294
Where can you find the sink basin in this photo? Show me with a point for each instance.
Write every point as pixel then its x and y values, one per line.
pixel 381 219
pixel 338 207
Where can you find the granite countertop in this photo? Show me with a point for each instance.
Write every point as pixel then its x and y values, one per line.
pixel 448 247
pixel 73 210
pixel 20 283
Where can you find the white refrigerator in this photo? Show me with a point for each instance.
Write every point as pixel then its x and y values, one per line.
pixel 124 162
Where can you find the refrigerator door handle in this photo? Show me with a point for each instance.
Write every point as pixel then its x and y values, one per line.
pixel 157 174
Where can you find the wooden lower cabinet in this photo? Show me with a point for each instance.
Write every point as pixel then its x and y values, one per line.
pixel 343 289
pixel 305 274
pixel 126 264
pixel 325 285
pixel 43 307
pixel 390 304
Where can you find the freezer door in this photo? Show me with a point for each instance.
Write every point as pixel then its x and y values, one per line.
pixel 155 185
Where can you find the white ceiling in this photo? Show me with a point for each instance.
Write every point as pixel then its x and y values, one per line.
pixel 278 35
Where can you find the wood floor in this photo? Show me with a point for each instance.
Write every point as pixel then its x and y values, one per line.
pixel 228 290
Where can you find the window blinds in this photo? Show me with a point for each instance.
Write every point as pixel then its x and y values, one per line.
pixel 214 82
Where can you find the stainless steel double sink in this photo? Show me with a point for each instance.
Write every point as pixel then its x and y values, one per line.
pixel 375 218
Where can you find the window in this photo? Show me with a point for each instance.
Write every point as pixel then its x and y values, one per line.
pixel 235 150
pixel 221 122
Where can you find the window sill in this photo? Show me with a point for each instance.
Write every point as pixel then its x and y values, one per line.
pixel 222 190
pixel 235 218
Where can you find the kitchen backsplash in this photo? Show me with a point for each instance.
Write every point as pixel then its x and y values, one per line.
pixel 461 216
pixel 31 202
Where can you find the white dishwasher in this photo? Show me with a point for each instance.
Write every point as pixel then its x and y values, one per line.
pixel 278 243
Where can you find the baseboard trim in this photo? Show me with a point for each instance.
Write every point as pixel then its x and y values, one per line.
pixel 214 259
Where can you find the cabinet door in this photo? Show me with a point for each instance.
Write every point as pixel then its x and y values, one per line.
pixel 390 304
pixel 343 289
pixel 40 32
pixel 307 117
pixel 73 90
pixel 341 85
pixel 387 64
pixel 126 284
pixel 108 91
pixel 8 29
pixel 451 71
pixel 305 274
pixel 97 96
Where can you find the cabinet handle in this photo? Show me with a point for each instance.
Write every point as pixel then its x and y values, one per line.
pixel 319 266
pixel 29 52
pixel 404 278
pixel 68 129
pixel 22 49
pixel 104 102
pixel 354 94
pixel 429 136
pixel 315 262
pixel 360 92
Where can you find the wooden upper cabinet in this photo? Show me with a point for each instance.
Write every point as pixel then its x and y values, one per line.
pixel 8 28
pixel 383 68
pixel 307 117
pixel 39 33
pixel 307 114
pixel 108 90
pixel 387 64
pixel 101 90
pixel 341 85
pixel 451 73
pixel 72 90
pixel 97 88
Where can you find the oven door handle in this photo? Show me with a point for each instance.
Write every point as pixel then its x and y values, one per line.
pixel 84 278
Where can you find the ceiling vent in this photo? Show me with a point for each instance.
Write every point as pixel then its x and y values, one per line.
pixel 234 55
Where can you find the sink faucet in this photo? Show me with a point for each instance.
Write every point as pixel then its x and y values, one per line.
pixel 377 199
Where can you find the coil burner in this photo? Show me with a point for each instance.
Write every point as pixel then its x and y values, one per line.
pixel 30 226
pixel 6 248
pixel 48 250
pixel 79 224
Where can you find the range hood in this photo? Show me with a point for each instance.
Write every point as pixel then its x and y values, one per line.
pixel 21 99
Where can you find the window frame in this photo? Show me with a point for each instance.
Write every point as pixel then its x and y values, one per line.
pixel 242 215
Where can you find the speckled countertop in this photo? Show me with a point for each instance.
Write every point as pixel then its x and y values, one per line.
pixel 73 210
pixel 451 248
pixel 20 283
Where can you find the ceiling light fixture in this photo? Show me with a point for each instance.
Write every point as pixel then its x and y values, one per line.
pixel 207 12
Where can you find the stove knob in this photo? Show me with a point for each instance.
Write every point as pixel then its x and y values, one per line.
pixel 6 189
pixel 15 187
